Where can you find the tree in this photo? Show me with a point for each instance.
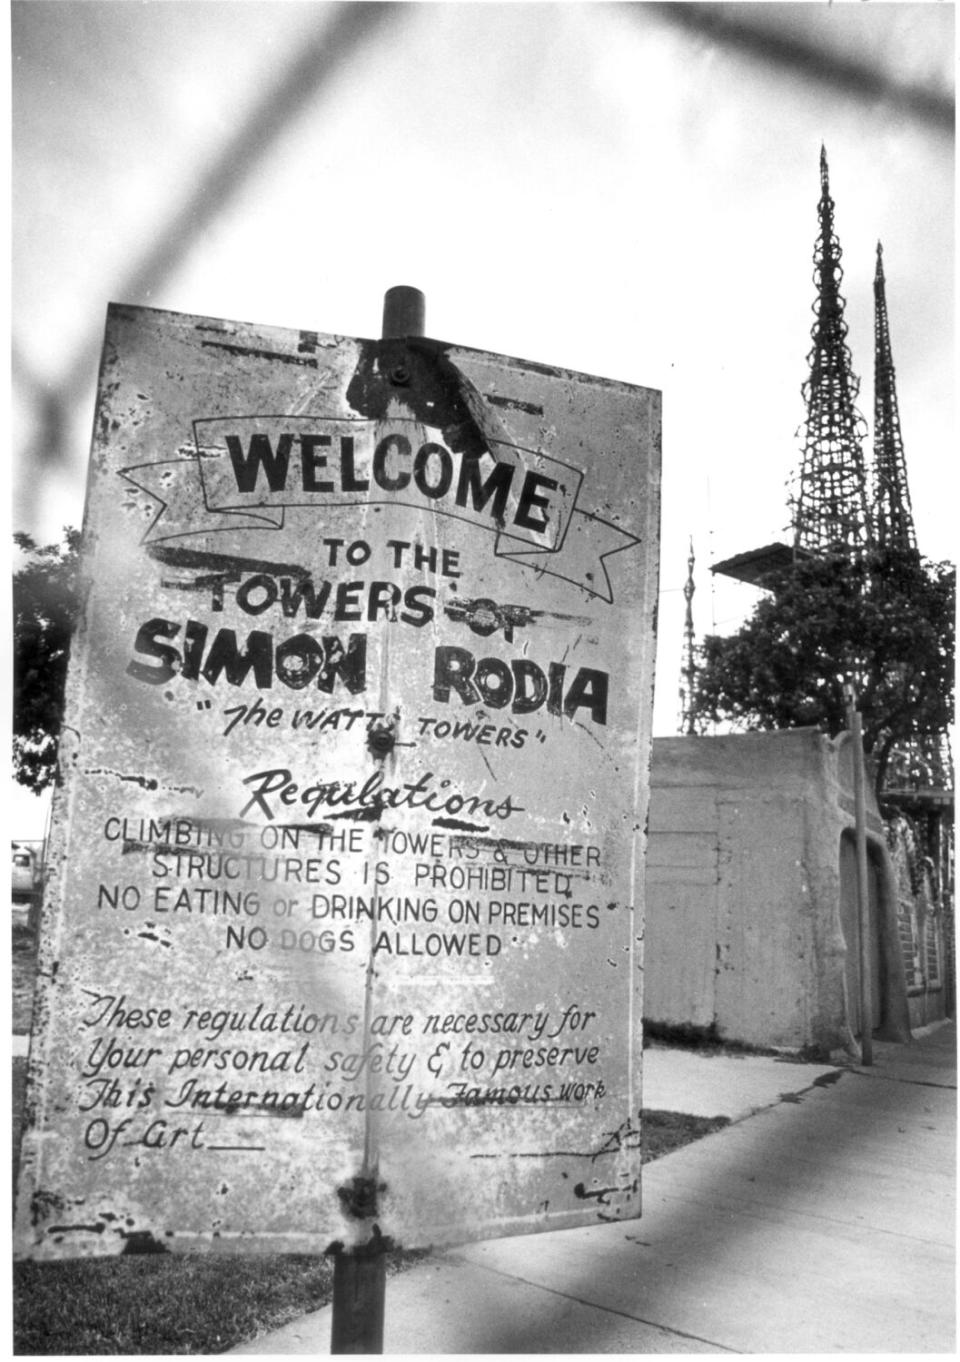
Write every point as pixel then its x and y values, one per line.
pixel 46 607
pixel 884 620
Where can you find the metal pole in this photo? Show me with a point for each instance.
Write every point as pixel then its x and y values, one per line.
pixel 863 895
pixel 404 312
pixel 359 1298
pixel 360 1272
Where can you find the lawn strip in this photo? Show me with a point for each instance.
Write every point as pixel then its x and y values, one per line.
pixel 209 1303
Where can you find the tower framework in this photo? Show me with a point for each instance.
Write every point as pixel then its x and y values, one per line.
pixel 688 669
pixel 924 763
pixel 892 513
pixel 830 511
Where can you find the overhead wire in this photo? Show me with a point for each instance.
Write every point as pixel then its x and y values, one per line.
pixel 313 69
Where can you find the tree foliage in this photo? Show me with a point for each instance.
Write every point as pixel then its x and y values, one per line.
pixel 46 606
pixel 884 621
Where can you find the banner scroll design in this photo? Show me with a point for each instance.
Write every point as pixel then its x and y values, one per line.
pixel 246 473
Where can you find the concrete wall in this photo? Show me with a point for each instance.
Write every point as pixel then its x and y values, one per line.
pixel 750 927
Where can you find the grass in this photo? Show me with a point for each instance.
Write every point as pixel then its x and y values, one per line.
pixel 159 1304
pixel 664 1131
pixel 205 1303
pixel 200 1303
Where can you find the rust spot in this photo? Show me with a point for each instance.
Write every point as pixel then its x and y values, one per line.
pixel 174 556
pixel 603 1195
pixel 43 1204
pixel 279 355
pixel 148 783
pixel 434 393
pixel 514 404
pixel 485 616
pixel 152 936
pixel 372 814
pixel 359 1197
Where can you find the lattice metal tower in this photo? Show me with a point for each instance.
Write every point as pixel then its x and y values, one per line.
pixel 921 763
pixel 688 669
pixel 830 512
pixel 892 515
pixel 924 762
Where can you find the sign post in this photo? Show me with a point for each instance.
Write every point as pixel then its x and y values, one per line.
pixel 360 1273
pixel 343 939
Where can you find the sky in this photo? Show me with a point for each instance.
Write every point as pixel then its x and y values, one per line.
pixel 628 190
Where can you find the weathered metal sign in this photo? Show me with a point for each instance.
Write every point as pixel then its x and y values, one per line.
pixel 347 856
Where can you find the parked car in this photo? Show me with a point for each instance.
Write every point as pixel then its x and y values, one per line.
pixel 26 872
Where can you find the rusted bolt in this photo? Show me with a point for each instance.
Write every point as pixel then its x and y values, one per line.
pixel 359 1197
pixel 399 375
pixel 381 741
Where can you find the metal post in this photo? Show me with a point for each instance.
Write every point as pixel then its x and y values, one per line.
pixel 360 1272
pixel 404 312
pixel 863 895
pixel 359 1299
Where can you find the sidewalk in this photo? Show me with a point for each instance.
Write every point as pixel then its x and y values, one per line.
pixel 823 1222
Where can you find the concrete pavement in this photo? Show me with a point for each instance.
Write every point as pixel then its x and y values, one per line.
pixel 822 1220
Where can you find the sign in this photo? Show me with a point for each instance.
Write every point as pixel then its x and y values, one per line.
pixel 346 882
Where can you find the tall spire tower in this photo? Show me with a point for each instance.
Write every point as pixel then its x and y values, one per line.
pixel 892 516
pixel 923 763
pixel 830 511
pixel 688 670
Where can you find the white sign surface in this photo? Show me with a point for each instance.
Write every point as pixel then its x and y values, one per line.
pixel 346 896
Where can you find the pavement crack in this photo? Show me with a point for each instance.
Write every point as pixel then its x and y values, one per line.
pixel 909 1082
pixel 593 1305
